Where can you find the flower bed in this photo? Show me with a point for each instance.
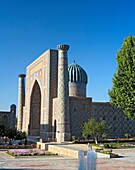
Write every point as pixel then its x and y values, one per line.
pixel 28 152
pixel 18 146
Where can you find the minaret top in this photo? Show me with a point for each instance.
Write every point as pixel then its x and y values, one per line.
pixel 22 75
pixel 63 47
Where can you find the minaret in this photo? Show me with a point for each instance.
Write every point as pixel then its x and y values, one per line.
pixel 63 123
pixel 13 116
pixel 21 100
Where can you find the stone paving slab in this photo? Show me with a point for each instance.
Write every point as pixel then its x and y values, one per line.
pixel 75 146
pixel 125 162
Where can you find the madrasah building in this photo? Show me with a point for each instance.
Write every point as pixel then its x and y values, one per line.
pixel 52 101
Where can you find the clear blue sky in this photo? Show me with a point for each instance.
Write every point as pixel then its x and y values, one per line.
pixel 94 29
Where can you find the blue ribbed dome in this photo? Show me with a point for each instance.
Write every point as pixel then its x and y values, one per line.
pixel 13 106
pixel 77 74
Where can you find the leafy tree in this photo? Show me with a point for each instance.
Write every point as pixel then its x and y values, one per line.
pixel 122 94
pixel 20 135
pixel 11 133
pixel 104 135
pixel 94 129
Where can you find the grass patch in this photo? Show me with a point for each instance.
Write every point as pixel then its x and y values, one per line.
pixel 115 145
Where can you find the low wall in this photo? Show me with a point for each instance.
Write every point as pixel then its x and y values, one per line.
pixel 63 151
pixel 58 149
pixel 41 145
pixel 102 155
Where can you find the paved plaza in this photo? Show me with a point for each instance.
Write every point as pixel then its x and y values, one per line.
pixel 125 162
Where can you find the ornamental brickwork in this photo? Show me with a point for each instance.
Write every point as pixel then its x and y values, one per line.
pixel 56 105
pixel 80 111
pixel 42 71
pixel 115 118
pixel 8 118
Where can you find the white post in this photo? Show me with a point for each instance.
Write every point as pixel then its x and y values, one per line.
pixel 82 164
pixel 91 160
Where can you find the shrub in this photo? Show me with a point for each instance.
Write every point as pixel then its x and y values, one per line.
pixel 106 145
pixel 104 135
pixel 73 138
pixel 127 135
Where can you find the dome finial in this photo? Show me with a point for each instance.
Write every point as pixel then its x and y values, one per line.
pixel 74 61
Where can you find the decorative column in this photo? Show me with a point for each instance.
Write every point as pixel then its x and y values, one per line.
pixel 63 123
pixel 21 100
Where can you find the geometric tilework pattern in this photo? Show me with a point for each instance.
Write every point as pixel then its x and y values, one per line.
pixel 80 111
pixel 114 118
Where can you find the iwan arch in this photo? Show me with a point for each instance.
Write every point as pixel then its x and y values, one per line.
pixel 54 104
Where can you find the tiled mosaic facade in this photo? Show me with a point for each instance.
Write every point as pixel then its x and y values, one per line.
pixel 56 108
pixel 115 118
pixel 8 118
pixel 77 89
pixel 80 111
pixel 43 71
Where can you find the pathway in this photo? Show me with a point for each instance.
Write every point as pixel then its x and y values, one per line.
pixel 126 162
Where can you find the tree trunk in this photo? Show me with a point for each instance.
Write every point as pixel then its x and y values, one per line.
pixel 96 141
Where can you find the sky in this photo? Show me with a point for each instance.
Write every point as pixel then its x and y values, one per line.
pixel 94 29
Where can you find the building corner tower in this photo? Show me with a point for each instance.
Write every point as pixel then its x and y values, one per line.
pixel 63 132
pixel 21 99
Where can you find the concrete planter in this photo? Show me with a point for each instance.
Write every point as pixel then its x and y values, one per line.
pixel 104 155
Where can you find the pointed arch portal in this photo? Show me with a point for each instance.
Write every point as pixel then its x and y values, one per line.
pixel 35 110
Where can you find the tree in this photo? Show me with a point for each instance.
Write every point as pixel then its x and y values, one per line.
pixel 11 133
pixel 104 135
pixel 20 135
pixel 122 94
pixel 94 129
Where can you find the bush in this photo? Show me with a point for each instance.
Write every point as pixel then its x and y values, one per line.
pixel 73 138
pixel 127 135
pixel 99 149
pixel 104 135
pixel 106 145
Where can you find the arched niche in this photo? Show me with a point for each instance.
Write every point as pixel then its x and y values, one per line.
pixel 5 120
pixel 35 110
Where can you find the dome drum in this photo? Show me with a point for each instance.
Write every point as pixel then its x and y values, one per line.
pixel 77 89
